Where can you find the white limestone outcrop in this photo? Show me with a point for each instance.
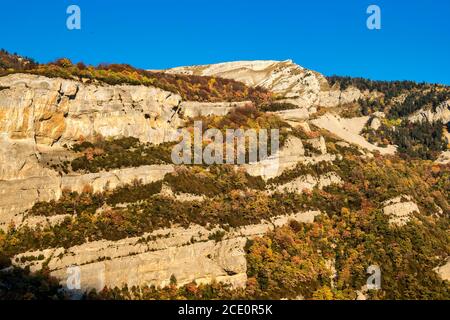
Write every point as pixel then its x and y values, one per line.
pixel 286 158
pixel 188 254
pixel 400 209
pixel 348 130
pixel 442 113
pixel 309 182
pixel 297 85
pixel 54 110
pixel 444 271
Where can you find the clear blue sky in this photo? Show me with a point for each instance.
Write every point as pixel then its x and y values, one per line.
pixel 328 36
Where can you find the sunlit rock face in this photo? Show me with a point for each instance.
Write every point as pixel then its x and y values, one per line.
pixel 349 130
pixel 302 87
pixel 188 254
pixel 39 115
pixel 441 113
pixel 19 195
pixel 400 209
pixel 57 111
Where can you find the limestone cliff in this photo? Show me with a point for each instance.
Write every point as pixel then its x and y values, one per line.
pixel 295 84
pixel 39 115
pixel 61 111
pixel 19 195
pixel 442 113
pixel 187 254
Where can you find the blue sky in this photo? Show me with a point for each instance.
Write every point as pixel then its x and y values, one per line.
pixel 328 36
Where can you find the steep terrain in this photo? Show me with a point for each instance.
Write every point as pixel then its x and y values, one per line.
pixel 87 181
pixel 289 81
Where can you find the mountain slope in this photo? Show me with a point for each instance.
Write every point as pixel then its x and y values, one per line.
pixel 87 181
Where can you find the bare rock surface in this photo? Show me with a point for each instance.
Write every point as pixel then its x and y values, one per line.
pixel 348 130
pixel 444 271
pixel 285 158
pixel 188 254
pixel 442 113
pixel 309 182
pixel 180 196
pixel 192 109
pixel 444 158
pixel 399 209
pixel 297 85
pixel 110 180
pixel 53 110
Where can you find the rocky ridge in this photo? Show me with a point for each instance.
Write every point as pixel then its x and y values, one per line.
pixel 293 83
pixel 38 116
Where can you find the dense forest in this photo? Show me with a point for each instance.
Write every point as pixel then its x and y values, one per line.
pixel 422 140
pixel 389 88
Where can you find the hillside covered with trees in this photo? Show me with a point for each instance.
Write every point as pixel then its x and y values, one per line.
pixel 189 87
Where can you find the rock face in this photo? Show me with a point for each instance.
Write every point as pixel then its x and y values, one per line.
pixel 444 158
pixel 348 130
pixel 309 182
pixel 61 111
pixel 288 157
pixel 444 271
pixel 187 254
pixel 194 109
pixel 16 196
pixel 295 84
pixel 38 115
pixel 19 159
pixel 399 210
pixel 442 113
pixel 318 144
pixel 103 181
pixel 295 115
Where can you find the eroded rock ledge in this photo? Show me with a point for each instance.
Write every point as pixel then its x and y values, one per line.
pixel 193 254
pixel 17 196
